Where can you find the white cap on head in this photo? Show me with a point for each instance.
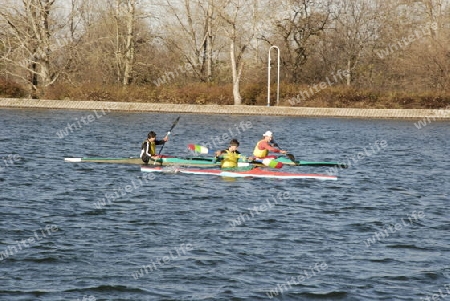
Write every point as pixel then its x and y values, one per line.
pixel 268 134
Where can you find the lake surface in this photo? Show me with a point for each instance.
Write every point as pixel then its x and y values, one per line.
pixel 380 232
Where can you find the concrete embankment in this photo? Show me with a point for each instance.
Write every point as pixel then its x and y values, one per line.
pixel 434 114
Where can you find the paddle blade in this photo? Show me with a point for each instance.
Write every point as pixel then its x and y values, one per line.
pixel 72 159
pixel 173 125
pixel 272 163
pixel 291 157
pixel 199 149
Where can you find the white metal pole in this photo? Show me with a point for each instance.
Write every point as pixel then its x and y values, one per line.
pixel 268 79
pixel 278 76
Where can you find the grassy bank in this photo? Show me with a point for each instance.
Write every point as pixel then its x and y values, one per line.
pixel 252 94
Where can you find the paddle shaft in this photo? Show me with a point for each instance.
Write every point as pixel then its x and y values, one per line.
pixel 168 133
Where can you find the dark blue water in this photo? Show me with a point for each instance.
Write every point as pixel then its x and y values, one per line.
pixel 380 232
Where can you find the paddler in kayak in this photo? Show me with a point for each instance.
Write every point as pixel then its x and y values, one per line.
pixel 148 148
pixel 264 146
pixel 231 156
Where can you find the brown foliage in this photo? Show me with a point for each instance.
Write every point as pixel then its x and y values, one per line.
pixel 200 93
pixel 348 97
pixel 252 94
pixel 255 94
pixel 11 89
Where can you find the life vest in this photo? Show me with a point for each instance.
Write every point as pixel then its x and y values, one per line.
pixel 148 148
pixel 230 159
pixel 260 153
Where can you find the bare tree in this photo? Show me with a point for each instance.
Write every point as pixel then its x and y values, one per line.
pixel 427 11
pixel 125 15
pixel 129 44
pixel 28 39
pixel 209 41
pixel 431 43
pixel 240 31
pixel 299 24
pixel 357 25
pixel 193 23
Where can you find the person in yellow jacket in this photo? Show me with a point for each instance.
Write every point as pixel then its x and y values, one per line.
pixel 264 146
pixel 231 155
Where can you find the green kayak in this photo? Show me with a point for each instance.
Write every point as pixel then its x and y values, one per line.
pixel 196 161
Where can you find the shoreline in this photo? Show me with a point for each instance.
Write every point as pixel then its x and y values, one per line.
pixel 435 114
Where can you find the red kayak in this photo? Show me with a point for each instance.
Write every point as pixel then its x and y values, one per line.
pixel 253 173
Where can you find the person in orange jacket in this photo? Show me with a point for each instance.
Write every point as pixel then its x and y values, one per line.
pixel 266 145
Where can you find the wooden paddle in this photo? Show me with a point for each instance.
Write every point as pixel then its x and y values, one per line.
pixel 204 150
pixel 167 135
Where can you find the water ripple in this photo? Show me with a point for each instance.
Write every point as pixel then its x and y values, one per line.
pixel 200 238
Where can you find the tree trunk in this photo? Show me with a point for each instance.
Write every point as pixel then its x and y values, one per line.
pixel 349 73
pixel 209 43
pixel 129 47
pixel 37 13
pixel 33 79
pixel 118 48
pixel 236 69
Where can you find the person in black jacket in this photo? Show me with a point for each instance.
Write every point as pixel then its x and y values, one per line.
pixel 148 148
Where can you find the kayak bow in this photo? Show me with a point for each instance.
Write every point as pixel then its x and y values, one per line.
pixel 204 162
